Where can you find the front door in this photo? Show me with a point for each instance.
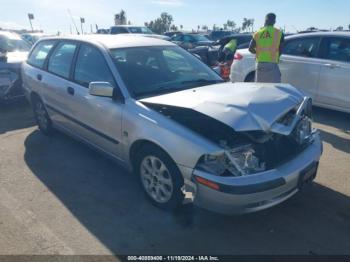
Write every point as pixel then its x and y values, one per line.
pixel 299 64
pixel 98 119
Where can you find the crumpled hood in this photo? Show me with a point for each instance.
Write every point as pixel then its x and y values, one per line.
pixel 242 106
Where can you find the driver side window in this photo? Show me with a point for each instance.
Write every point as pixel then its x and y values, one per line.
pixel 91 67
pixel 305 47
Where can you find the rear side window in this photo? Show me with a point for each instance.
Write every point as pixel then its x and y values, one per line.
pixel 38 56
pixel 336 48
pixel 61 59
pixel 91 67
pixel 306 47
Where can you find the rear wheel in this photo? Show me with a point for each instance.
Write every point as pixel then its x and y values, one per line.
pixel 160 178
pixel 250 77
pixel 42 117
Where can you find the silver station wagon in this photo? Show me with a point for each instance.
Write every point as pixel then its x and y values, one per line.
pixel 162 113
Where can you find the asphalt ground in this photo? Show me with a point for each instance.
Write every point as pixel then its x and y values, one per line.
pixel 57 196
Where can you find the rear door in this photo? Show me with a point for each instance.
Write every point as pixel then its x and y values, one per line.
pixel 299 64
pixel 57 92
pixel 334 87
pixel 34 69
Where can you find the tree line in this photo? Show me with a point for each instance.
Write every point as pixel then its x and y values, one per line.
pixel 165 23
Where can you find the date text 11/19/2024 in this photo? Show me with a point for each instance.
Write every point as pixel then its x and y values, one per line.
pixel 173 258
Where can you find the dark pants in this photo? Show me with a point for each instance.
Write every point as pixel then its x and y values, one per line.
pixel 267 73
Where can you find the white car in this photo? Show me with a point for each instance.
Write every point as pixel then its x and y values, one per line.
pixel 316 63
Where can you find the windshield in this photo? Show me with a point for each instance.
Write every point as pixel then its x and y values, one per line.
pixel 140 30
pixel 200 38
pixel 151 71
pixel 13 44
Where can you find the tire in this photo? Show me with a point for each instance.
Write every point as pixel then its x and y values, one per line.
pixel 160 178
pixel 250 77
pixel 42 117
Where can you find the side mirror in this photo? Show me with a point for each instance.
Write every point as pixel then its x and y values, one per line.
pixel 104 89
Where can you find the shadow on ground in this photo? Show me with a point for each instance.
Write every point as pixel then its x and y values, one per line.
pixel 338 120
pixel 109 202
pixel 332 118
pixel 16 115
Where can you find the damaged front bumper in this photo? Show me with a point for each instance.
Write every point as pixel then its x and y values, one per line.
pixel 10 82
pixel 246 194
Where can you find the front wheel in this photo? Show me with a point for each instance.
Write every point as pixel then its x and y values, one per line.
pixel 160 178
pixel 42 117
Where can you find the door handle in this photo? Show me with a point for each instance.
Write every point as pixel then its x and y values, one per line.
pixel 39 77
pixel 332 66
pixel 70 90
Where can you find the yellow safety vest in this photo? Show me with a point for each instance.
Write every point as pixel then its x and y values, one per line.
pixel 268 40
pixel 232 45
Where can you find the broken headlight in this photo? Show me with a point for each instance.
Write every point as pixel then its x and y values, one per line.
pixel 240 161
pixel 303 131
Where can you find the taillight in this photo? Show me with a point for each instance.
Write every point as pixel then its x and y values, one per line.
pixel 238 56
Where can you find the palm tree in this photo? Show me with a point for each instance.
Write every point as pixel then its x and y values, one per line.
pixel 122 17
pixel 231 24
pixel 245 24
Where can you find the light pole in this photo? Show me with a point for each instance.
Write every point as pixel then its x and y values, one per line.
pixel 82 21
pixel 31 17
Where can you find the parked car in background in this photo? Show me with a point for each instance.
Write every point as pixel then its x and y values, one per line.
pixel 199 45
pixel 219 34
pixel 103 31
pixel 191 40
pixel 159 111
pixel 132 29
pixel 31 38
pixel 224 61
pixel 317 63
pixel 13 51
pixel 172 33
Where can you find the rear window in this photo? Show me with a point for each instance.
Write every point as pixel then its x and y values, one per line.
pixel 336 48
pixel 38 56
pixel 61 59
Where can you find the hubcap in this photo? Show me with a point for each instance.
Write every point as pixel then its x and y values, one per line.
pixel 41 115
pixel 156 179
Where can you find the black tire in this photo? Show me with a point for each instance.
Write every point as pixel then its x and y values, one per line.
pixel 41 116
pixel 177 195
pixel 250 77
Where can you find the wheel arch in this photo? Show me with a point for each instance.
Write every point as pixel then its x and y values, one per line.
pixel 250 76
pixel 138 145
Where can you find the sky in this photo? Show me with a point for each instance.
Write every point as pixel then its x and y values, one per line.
pixel 52 15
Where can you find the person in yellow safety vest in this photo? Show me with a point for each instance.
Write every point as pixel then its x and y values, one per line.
pixel 230 49
pixel 267 45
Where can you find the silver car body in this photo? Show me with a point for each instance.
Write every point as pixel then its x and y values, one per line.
pixel 119 128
